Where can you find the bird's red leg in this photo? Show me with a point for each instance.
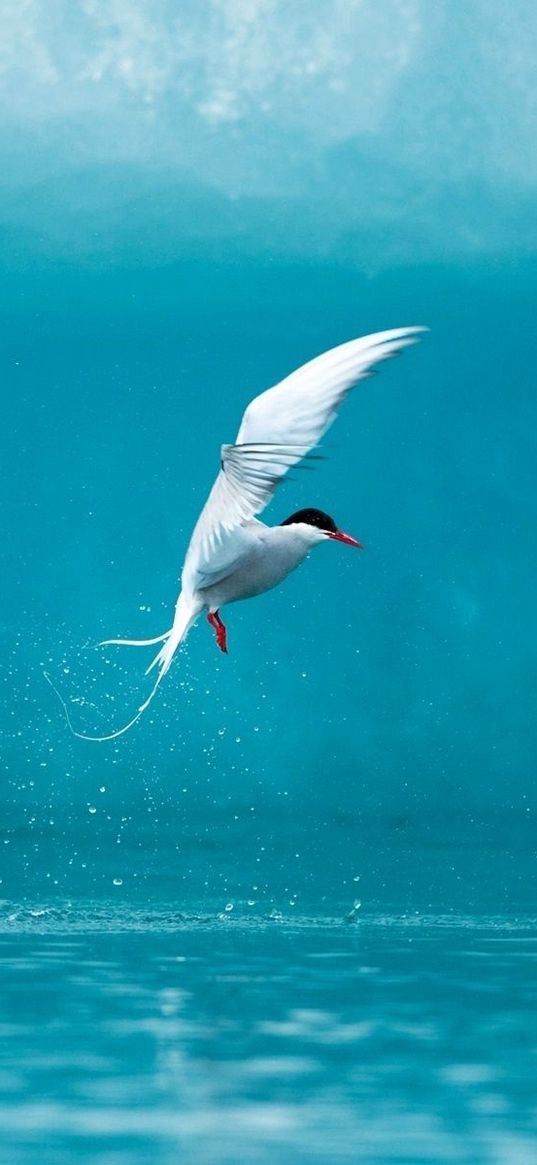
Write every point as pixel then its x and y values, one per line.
pixel 221 634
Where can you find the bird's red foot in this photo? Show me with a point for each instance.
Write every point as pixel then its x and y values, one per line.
pixel 221 634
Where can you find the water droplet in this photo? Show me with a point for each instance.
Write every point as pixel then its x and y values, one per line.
pixel 102 789
pixel 118 881
pixel 251 902
pixel 92 809
pixel 356 878
pixel 229 906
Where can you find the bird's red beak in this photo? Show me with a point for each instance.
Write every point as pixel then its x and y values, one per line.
pixel 339 536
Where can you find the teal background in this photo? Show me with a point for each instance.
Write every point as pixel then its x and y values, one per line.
pixel 181 229
pixel 405 672
pixel 291 915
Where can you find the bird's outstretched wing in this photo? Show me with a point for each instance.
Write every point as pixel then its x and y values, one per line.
pixel 278 429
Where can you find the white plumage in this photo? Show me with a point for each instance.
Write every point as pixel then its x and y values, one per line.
pixel 278 429
pixel 231 555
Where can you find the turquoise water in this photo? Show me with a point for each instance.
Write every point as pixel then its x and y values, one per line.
pixel 291 915
pixel 186 1037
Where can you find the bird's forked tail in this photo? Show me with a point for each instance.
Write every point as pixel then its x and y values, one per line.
pixel 186 613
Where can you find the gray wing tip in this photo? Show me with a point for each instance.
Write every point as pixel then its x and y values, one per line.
pixel 395 341
pixel 408 335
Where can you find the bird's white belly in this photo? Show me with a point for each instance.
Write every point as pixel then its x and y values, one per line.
pixel 261 570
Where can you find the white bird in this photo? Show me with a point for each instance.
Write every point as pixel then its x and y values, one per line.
pixel 231 554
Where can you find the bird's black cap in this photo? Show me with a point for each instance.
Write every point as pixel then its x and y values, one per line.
pixel 312 517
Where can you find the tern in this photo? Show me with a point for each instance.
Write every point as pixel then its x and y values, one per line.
pixel 232 555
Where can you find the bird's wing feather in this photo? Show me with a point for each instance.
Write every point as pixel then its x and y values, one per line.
pixel 278 429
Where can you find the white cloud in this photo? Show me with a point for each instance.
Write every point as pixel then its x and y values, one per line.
pixel 359 110
pixel 327 69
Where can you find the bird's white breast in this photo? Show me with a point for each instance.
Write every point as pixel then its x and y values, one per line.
pixel 275 552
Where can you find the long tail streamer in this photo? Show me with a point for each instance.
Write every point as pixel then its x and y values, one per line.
pixel 110 735
pixel 185 615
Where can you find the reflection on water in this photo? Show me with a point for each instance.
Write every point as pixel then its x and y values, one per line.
pixel 172 1038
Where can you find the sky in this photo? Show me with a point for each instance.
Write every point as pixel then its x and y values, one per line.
pixel 373 133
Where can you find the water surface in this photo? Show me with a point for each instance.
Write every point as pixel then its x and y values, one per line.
pixel 134 1035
